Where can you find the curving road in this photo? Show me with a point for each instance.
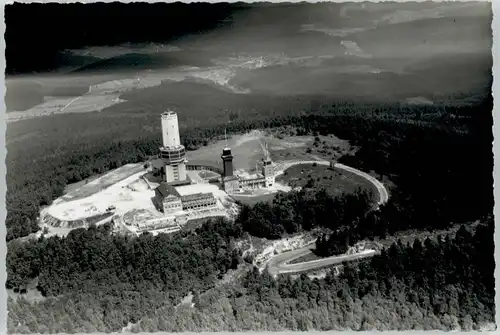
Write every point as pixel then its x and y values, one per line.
pixel 279 264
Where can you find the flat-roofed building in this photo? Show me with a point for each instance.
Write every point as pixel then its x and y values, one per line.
pixel 198 201
pixel 168 200
pixel 253 181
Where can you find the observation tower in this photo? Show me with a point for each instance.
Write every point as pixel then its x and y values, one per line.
pixel 267 167
pixel 172 153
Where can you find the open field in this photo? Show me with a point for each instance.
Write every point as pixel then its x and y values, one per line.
pixel 335 181
pixel 309 148
pixel 247 149
pixel 83 93
pixel 103 182
pixel 71 188
pixel 77 94
pixel 99 199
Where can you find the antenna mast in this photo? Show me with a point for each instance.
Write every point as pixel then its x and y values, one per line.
pixel 225 137
pixel 266 151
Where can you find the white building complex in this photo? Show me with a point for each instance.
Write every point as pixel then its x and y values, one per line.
pixel 161 200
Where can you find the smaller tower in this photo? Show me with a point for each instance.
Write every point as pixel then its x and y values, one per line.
pixel 230 182
pixel 227 159
pixel 268 168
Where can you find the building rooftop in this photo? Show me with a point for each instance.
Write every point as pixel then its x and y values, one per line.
pixel 165 190
pixel 197 188
pixel 171 198
pixel 197 196
pixel 172 147
pixel 229 178
pixel 157 163
pixel 201 162
pixel 169 113
pixel 252 176
pixel 177 183
pixel 267 162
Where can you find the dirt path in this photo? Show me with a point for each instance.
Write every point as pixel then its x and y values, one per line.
pixel 75 99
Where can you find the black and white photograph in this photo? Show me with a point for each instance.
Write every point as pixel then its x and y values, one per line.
pixel 235 167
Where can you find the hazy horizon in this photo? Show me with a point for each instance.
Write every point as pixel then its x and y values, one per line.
pixel 418 52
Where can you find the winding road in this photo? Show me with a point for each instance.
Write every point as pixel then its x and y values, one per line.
pixel 279 264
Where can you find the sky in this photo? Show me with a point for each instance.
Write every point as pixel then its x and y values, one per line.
pixel 55 27
pixel 420 51
pixel 222 27
pixel 331 48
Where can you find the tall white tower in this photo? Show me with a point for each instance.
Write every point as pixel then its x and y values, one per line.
pixel 172 152
pixel 170 129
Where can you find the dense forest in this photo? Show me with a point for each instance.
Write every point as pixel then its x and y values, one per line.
pixel 444 284
pixel 90 259
pixel 94 259
pixel 136 273
pixel 297 211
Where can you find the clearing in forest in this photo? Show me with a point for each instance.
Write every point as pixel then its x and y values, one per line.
pixel 335 181
pixel 103 182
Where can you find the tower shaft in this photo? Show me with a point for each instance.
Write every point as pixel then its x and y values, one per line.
pixel 172 153
pixel 170 129
pixel 227 160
